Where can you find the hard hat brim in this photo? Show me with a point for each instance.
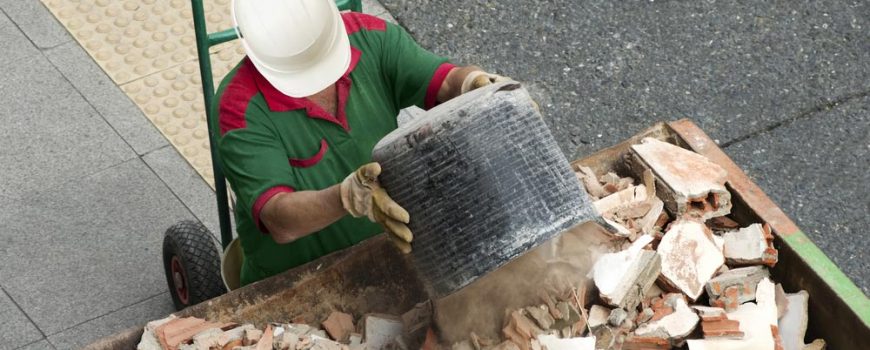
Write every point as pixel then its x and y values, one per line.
pixel 325 71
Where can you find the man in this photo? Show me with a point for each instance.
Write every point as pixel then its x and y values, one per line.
pixel 299 117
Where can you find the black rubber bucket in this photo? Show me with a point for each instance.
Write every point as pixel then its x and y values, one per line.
pixel 483 180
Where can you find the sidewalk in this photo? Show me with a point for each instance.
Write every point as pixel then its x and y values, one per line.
pixel 87 189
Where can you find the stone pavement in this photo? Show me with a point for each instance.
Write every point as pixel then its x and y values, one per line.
pixel 783 87
pixel 88 185
pixel 87 188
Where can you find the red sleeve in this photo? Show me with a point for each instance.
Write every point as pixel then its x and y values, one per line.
pixel 435 84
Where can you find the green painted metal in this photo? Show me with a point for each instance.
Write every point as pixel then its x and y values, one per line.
pixel 204 41
pixel 842 286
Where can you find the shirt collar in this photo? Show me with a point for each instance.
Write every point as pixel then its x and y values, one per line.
pixel 279 102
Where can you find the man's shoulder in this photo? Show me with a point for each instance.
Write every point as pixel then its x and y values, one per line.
pixel 355 22
pixel 237 91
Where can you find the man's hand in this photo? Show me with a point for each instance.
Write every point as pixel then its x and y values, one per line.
pixel 478 79
pixel 362 195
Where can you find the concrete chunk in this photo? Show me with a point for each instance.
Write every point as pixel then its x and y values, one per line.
pixel 689 257
pixel 675 327
pixel 793 324
pixel 734 287
pixel 623 277
pixel 689 183
pixel 748 246
pixel 380 330
pixel 598 316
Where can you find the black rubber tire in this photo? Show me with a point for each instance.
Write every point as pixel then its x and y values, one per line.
pixel 199 260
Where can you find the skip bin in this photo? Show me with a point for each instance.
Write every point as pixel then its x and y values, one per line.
pixel 374 277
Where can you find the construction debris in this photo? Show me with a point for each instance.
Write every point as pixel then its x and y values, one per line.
pixel 339 326
pixel 689 257
pixel 734 287
pixel 643 294
pixel 752 245
pixel 552 342
pixel 688 183
pixel 793 323
pixel 674 327
pixel 622 278
pixel 381 330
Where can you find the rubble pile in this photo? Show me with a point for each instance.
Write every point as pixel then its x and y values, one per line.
pixel 338 333
pixel 687 275
pixel 683 275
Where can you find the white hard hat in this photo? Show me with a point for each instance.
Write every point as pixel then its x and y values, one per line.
pixel 300 46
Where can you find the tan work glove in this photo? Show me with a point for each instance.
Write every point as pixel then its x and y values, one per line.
pixel 478 79
pixel 362 195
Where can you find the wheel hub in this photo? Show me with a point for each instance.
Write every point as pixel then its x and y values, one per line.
pixel 179 280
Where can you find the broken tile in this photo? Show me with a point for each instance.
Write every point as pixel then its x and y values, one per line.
pixel 748 246
pixel 266 340
pixel 687 182
pixel 381 329
pixel 552 342
pixel 541 316
pixel 756 322
pixel 689 257
pixel 633 342
pixel 617 317
pixel 339 326
pixel 506 345
pixel 623 277
pixel 598 316
pixel 674 327
pixel 735 287
pixel 793 324
pixel 520 330
pixel 818 344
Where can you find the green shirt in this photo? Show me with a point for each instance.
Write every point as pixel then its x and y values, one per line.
pixel 271 143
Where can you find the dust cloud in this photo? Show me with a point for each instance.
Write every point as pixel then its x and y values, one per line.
pixel 554 267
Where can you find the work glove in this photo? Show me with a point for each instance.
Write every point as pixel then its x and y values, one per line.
pixel 362 195
pixel 478 79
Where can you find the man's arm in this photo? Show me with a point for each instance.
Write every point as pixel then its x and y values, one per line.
pixel 452 85
pixel 290 216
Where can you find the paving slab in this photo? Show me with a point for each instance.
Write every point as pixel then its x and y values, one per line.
pixel 106 97
pixel 135 315
pixel 40 345
pixel 602 70
pixel 77 251
pixel 36 21
pixel 56 135
pixel 13 43
pixel 816 169
pixel 184 181
pixel 15 329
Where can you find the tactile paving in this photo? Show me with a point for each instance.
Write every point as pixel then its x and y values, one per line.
pixel 148 48
pixel 134 38
pixel 172 100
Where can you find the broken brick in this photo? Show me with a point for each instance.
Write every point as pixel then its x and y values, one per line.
pixel 675 326
pixel 735 287
pixel 339 326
